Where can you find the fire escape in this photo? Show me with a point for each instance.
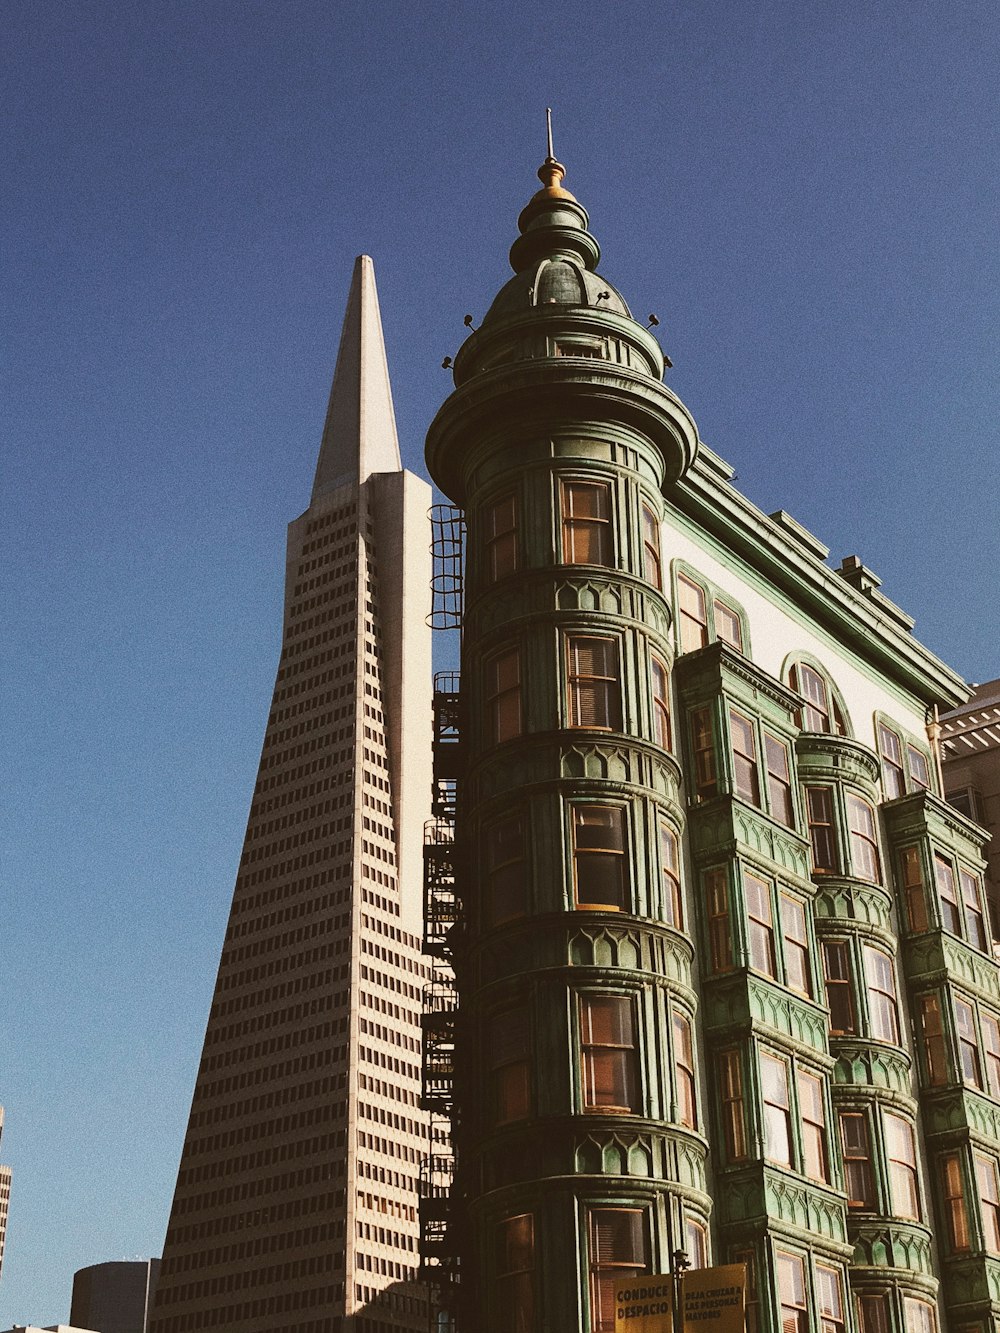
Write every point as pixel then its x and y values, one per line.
pixel 439 1264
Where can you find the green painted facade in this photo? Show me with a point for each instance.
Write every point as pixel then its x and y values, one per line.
pixel 710 998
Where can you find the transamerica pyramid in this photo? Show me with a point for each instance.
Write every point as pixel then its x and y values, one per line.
pixel 296 1205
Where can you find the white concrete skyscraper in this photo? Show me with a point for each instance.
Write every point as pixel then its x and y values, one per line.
pixel 296 1204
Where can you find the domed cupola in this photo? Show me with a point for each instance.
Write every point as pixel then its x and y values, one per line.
pixel 559 334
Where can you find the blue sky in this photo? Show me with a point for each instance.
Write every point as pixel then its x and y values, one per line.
pixel 805 194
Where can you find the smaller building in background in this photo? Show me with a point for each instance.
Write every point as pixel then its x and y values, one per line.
pixel 4 1198
pixel 115 1297
pixel 49 1328
pixel 970 754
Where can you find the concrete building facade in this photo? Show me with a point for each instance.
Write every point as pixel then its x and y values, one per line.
pixel 725 980
pixel 296 1205
pixel 115 1297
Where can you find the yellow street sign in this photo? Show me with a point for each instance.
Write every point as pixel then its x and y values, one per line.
pixel 713 1300
pixel 643 1304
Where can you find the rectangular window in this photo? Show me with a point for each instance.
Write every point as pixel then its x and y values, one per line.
pixel 594 690
pixel 777 1110
pixel 875 1314
pixel 599 856
pixel 515 1264
pixel 669 860
pixel 857 1159
pixel 813 1120
pixel 728 626
pixel 954 1203
pixel 989 1201
pixel 918 1316
pixel 830 1291
pixel 750 1259
pixel 893 780
pixel 501 537
pixel 510 1065
pixel 760 924
pixel 586 523
pixel 819 807
pixel 991 1050
pixel 795 945
pixel 503 695
pixel 651 546
pixel 864 841
pixel 745 777
pixel 792 1290
pixel 902 1154
pixel 975 922
pixel 618 1249
pixel 917 767
pixel 608 1053
pixel 968 1046
pixel 696 1242
pixel 932 1034
pixel 719 935
pixel 705 779
pixel 506 879
pixel 882 1010
pixel 661 703
pixel 944 877
pixel 779 782
pixel 811 685
pixel 687 1111
pixel 913 888
pixel 692 614
pixel 733 1127
pixel 839 996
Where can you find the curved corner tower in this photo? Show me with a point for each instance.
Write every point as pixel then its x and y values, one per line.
pixel 579 1145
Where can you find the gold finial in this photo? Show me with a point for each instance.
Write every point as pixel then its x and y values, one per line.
pixel 551 172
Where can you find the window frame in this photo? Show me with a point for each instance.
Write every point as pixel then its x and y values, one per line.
pixel 518 1060
pixel 844 985
pixel 956 1205
pixel 863 842
pixel 662 730
pixel 497 693
pixel 692 625
pixel 670 873
pixel 772 934
pixel 989 1202
pixel 933 1038
pixel 732 1107
pixel 857 1152
pixel 704 753
pixel 652 558
pixel 497 539
pixel 901 755
pixel 624 1057
pixel 814 822
pixel 684 1073
pixel 578 811
pixel 756 781
pixel 902 1168
pixel 876 986
pixel 699 613
pixel 597 1267
pixel 605 688
pixel 495 846
pixel 514 1313
pixel 599 526
pixel 715 884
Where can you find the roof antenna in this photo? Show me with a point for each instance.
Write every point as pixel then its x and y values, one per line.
pixel 548 126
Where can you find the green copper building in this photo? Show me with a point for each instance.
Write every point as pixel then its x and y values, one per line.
pixel 725 979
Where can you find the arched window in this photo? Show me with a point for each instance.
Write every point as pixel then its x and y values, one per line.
pixel 822 709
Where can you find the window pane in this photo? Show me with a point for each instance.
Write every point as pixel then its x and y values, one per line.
pixel 731 1077
pixel 829 1290
pixel 968 1045
pixel 684 1071
pixel 989 1201
pixel 991 1051
pixel 954 1196
pixel 864 847
pixel 501 537
pixel 599 860
pixel 811 685
pixel 944 875
pixel 692 614
pixel 881 979
pixel 893 782
pixel 975 925
pixel 669 856
pixel 720 938
pixel 918 1316
pixel 651 546
pixel 857 1159
pixel 916 763
pixel 819 805
pixel 586 523
pixel 509 1064
pixel 837 970
pixel 728 626
pixel 796 945
pixel 913 888
pixel 813 1117
pixel 902 1154
pixel 506 878
pixel 594 690
pixel 932 1031
pixel 792 1288
pixel 745 778
pixel 661 703
pixel 618 1249
pixel 503 695
pixel 875 1315
pixel 515 1261
pixel 777 1118
pixel 760 928
pixel 704 753
pixel 607 1038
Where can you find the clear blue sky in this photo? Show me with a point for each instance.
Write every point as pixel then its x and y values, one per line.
pixel 806 195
